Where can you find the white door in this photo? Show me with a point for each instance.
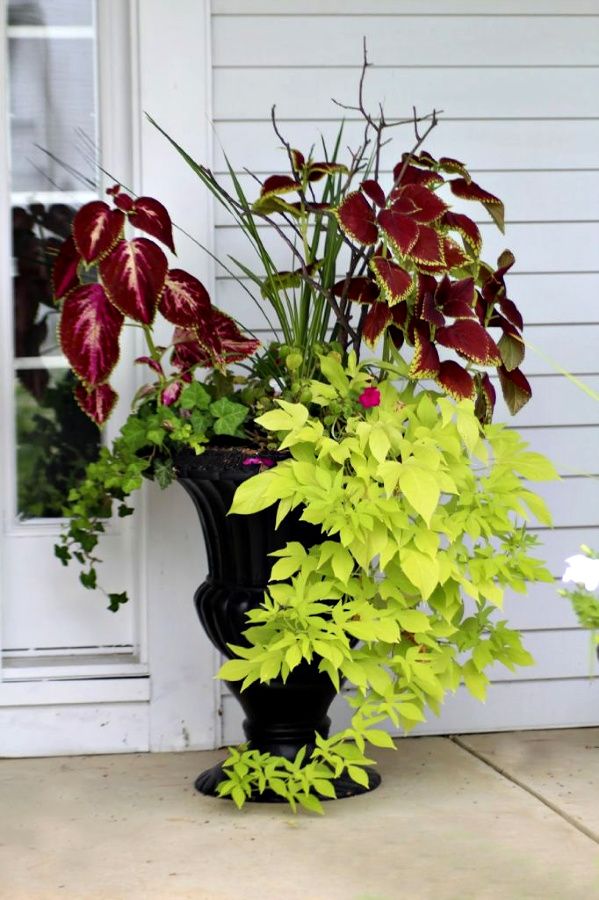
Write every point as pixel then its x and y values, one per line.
pixel 76 677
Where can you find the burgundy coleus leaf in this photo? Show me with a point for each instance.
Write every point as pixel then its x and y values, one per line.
pixel 356 218
pixel 124 202
pixel 279 184
pixel 233 344
pixel 511 349
pixel 298 160
pixel 469 339
pixel 413 175
pixel 152 363
pixel 464 225
pixel 189 350
pixel 425 362
pixel 96 229
pixel 471 191
pixel 151 216
pixel 428 249
pixel 378 317
pixel 485 398
pixel 455 380
pixel 317 170
pixel 133 275
pixel 455 258
pixel 428 310
pixel 64 270
pixel 515 388
pixel 511 312
pixel 394 282
pixel 401 231
pixel 374 191
pixel 428 206
pixel 359 289
pixel 89 333
pixel 97 403
pixel 456 298
pixel 454 167
pixel 184 300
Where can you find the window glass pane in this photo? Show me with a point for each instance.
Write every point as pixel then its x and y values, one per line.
pixel 50 12
pixel 55 440
pixel 53 141
pixel 52 107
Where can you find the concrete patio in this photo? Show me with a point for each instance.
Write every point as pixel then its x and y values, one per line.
pixel 476 817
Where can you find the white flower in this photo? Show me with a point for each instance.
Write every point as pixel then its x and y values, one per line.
pixel 582 570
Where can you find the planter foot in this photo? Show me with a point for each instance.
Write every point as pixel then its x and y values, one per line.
pixel 207 783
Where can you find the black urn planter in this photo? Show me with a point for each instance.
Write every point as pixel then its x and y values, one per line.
pixel 280 718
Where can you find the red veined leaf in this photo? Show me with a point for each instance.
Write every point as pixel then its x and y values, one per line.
pixel 318 170
pixel 511 349
pixel 511 312
pixel 428 248
pixel 188 350
pixel 470 339
pixel 151 216
pixel 485 398
pixel 425 159
pixel 374 191
pixel 298 160
pixel 97 403
pixel 454 379
pixel 356 219
pixel 279 184
pixel 504 263
pixel 171 393
pixel 124 201
pixel 378 317
pixel 359 289
pixel 515 389
pixel 456 298
pixel 466 227
pixel 458 309
pixel 64 270
pixel 454 167
pixel 96 229
pixel 184 299
pixel 234 345
pixel 397 336
pixel 400 314
pixel 394 282
pixel 89 333
pixel 471 191
pixel 111 191
pixel 429 207
pixel 425 362
pixel 133 276
pixel 401 231
pixel 152 363
pixel 402 205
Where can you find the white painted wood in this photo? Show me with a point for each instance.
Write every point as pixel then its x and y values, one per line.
pixel 556 401
pixel 66 729
pixel 563 703
pixel 490 145
pixel 184 701
pixel 468 93
pixel 53 32
pixel 423 8
pixel 84 691
pixel 442 41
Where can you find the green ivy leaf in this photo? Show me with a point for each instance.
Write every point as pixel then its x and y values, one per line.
pixel 117 600
pixel 195 396
pixel 228 415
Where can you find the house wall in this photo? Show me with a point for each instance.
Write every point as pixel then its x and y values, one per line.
pixel 518 84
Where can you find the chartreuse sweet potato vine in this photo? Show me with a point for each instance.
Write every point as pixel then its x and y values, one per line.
pixel 419 506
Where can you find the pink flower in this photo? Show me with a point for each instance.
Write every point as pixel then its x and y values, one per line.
pixel 370 397
pixel 259 461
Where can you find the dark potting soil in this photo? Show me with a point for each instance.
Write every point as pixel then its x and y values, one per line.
pixel 215 460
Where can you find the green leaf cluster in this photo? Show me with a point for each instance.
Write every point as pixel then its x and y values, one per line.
pixel 423 513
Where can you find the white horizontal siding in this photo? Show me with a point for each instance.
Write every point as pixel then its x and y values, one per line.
pixel 518 85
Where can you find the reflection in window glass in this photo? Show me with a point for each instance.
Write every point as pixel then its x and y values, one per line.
pixel 50 12
pixel 55 441
pixel 53 141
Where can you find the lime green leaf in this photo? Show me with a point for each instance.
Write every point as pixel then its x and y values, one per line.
pixel 311 803
pixel 421 490
pixel 358 775
pixel 413 620
pixel 535 467
pixel 234 669
pixel 379 738
pixel 332 370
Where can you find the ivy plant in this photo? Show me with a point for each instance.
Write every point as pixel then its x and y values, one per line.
pixel 423 512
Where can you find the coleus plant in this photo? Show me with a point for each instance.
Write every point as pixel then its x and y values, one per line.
pixel 102 279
